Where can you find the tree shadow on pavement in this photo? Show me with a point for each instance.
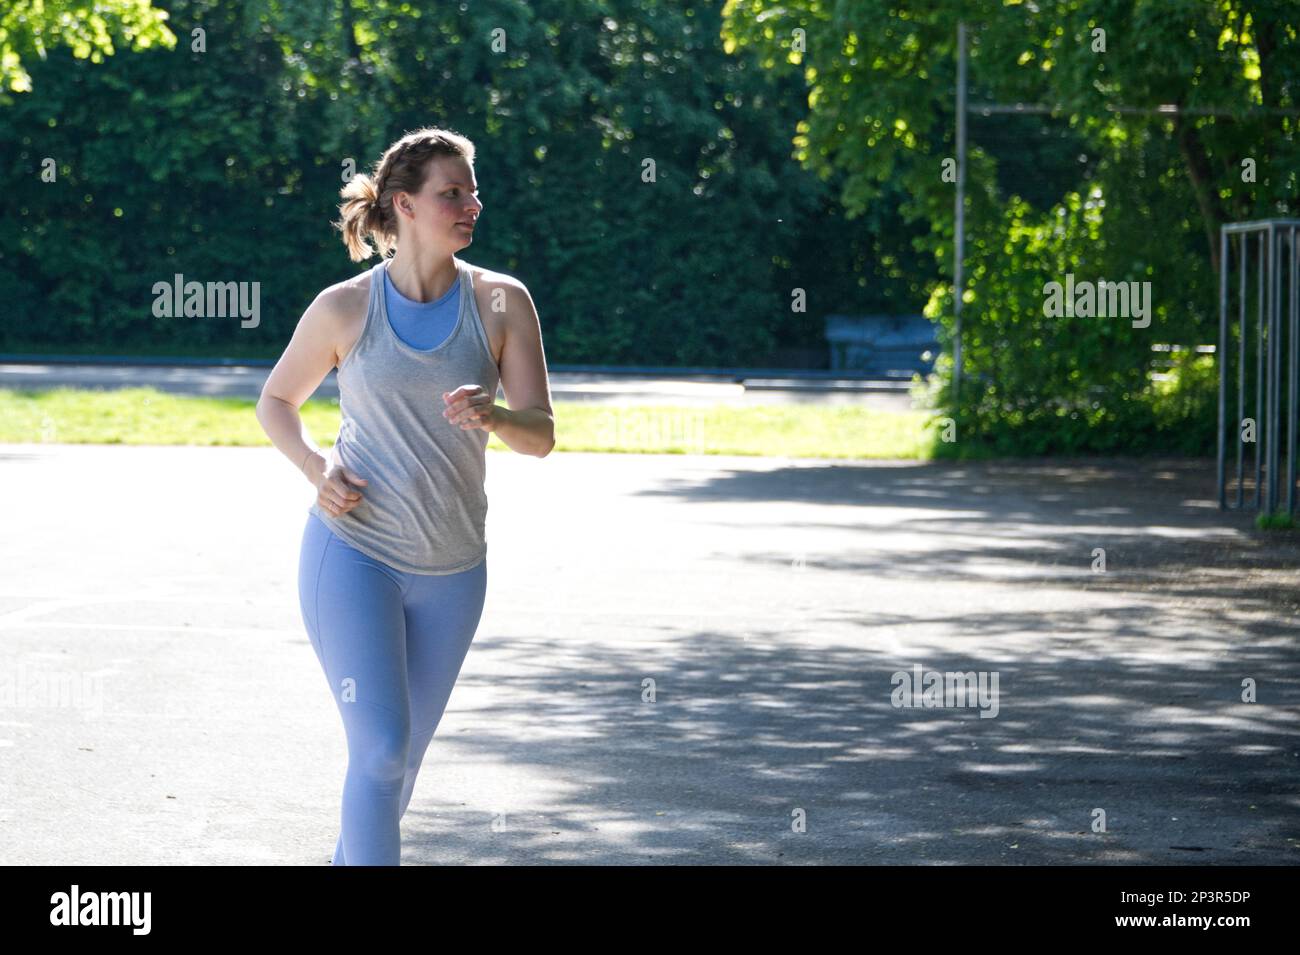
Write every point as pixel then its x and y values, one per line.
pixel 1124 696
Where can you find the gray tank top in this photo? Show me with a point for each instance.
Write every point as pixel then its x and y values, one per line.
pixel 424 509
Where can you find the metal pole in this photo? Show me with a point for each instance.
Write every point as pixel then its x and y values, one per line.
pixel 1260 410
pixel 1274 288
pixel 1223 354
pixel 1242 263
pixel 959 232
pixel 1294 313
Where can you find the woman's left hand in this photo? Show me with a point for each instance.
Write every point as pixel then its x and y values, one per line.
pixel 469 407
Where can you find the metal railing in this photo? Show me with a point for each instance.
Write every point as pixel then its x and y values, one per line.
pixel 1275 253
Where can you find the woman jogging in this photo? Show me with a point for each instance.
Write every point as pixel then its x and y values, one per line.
pixel 393 562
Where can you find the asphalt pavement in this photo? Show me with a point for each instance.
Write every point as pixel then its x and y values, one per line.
pixel 682 659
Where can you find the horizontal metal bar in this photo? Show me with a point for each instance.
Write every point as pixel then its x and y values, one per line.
pixel 1168 109
pixel 1258 225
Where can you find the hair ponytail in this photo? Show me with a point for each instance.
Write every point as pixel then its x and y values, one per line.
pixel 359 215
pixel 367 207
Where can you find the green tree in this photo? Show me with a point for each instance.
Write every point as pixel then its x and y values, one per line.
pixel 880 76
pixel 30 28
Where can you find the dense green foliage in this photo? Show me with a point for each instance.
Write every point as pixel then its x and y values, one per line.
pixel 225 165
pixel 30 28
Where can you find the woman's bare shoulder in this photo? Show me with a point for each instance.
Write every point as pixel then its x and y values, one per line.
pixel 345 297
pixel 492 279
pixel 339 313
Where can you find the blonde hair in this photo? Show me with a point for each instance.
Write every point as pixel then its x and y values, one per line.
pixel 367 207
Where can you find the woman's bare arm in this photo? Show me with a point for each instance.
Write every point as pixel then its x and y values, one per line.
pixel 527 425
pixel 308 358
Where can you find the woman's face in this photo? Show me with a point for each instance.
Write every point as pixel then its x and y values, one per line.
pixel 446 207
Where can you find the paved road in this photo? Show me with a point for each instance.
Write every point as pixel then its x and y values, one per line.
pixel 770 601
pixel 247 381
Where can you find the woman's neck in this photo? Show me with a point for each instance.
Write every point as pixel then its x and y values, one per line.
pixel 422 280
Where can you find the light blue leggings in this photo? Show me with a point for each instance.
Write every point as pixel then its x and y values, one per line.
pixel 391 645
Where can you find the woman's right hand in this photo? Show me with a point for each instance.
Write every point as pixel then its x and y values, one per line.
pixel 337 490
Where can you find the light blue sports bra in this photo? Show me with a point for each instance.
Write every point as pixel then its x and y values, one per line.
pixel 422 325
